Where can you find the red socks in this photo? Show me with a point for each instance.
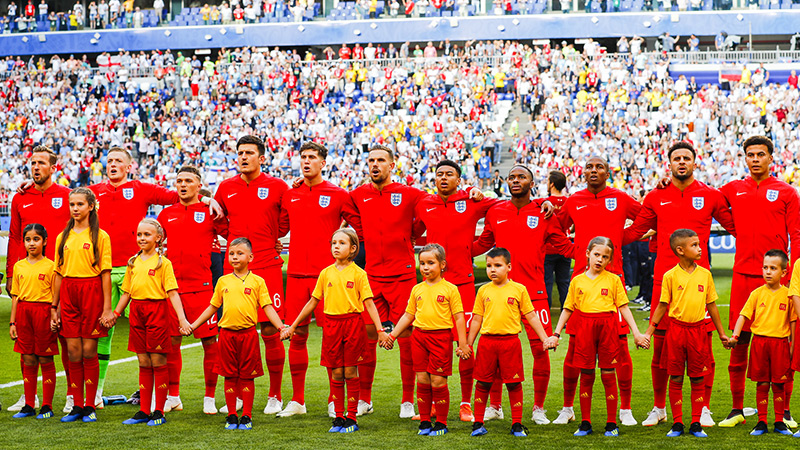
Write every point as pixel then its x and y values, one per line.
pixel 441 398
pixel 29 374
pixel 571 377
pixel 247 391
pixel 366 371
pixel 587 381
pixel 91 371
pixel 515 398
pixel 210 352
pixel 676 400
pixel 337 392
pixel 424 400
pixel 541 372
pixel 625 377
pixel 762 401
pixel 76 381
pixel 353 386
pixel 737 371
pixel 778 400
pixel 231 386
pixel 465 369
pixel 481 398
pixel 275 355
pixel 496 393
pixel 48 383
pixel 610 386
pixel 161 378
pixel 407 375
pixel 174 367
pixel 698 389
pixel 64 359
pixel 709 386
pixel 298 366
pixel 330 382
pixel 788 388
pixel 146 389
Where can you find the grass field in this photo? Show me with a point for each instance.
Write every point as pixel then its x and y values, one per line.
pixel 191 429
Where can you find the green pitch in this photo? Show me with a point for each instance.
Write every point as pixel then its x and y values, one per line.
pixel 191 429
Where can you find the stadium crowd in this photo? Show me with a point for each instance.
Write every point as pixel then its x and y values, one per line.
pixel 425 103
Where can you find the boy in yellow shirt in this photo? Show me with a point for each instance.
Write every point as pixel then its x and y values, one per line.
pixel 687 292
pixel 773 316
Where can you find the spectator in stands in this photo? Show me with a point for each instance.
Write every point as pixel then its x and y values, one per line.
pixel 158 7
pixel 138 18
pixel 80 17
pixel 43 10
pixel 205 11
pixel 93 15
pixel 102 14
pixel 12 17
pixel 238 14
pixel 668 41
pixel 114 9
pixel 226 13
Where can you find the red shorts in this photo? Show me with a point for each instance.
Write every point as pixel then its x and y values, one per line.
pixel 597 342
pixel 343 341
pixel 741 287
pixel 542 310
pixel 391 297
pixel 624 354
pixel 81 308
pixel 149 326
pixel 33 330
pixel 194 304
pixel 570 349
pixel 432 352
pixel 467 292
pixel 239 354
pixel 273 277
pixel 686 349
pixel 769 359
pixel 492 349
pixel 298 293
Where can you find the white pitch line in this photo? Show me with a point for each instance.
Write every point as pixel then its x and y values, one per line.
pixel 112 363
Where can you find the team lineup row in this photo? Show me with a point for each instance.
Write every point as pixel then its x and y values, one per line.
pixel 386 217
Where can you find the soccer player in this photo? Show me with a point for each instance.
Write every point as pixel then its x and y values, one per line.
pixel 242 292
pixel 450 219
pixel 190 235
pixel 771 312
pixel 251 202
pixel 499 307
pixel 82 298
pixel 767 216
pixel 311 212
pixel 687 296
pixel 557 267
pixel 599 210
pixel 684 203
pixel 520 226
pixel 46 203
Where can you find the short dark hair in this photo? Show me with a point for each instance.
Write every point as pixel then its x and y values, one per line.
pixel 383 148
pixel 45 149
pixel 499 252
pixel 449 163
pixel 255 140
pixel 242 241
pixel 322 152
pixel 679 235
pixel 192 170
pixel 520 166
pixel 776 253
pixel 682 145
pixel 759 140
pixel 557 179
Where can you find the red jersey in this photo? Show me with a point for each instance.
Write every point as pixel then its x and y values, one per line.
pixel 312 214
pixel 344 53
pixel 601 214
pixel 191 232
pixel 766 216
pixel 523 232
pixel 386 227
pixel 253 211
pixel 558 203
pixel 49 208
pixel 120 210
pixel 666 210
pixel 451 224
pixel 358 52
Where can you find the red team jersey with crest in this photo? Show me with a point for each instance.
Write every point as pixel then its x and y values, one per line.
pixel 386 227
pixel 253 211
pixel 120 210
pixel 313 214
pixel 49 208
pixel 190 232
pixel 601 214
pixel 451 224
pixel 766 216
pixel 668 209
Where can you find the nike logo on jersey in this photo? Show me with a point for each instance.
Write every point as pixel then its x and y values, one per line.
pixel 740 193
pixel 501 221
pixel 25 206
pixel 172 219
pixel 581 207
pixel 665 203
pixel 295 199
pixel 231 195
pixel 367 199
pixel 429 209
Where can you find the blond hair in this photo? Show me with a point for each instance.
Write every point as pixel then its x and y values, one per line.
pixel 159 242
pixel 351 234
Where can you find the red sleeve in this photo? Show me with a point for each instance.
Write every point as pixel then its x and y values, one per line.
pixel 222 229
pixel 645 221
pixel 564 217
pixel 632 208
pixel 15 237
pixel 559 241
pixel 157 195
pixel 793 223
pixel 352 216
pixel 722 213
pixel 485 241
pixel 283 219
